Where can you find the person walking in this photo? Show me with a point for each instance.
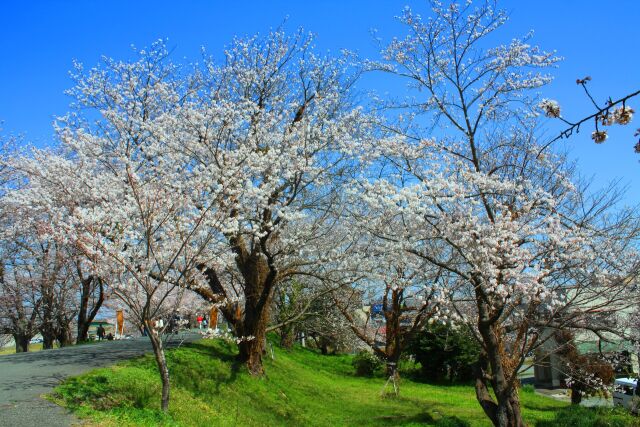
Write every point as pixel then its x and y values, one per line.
pixel 199 319
pixel 100 332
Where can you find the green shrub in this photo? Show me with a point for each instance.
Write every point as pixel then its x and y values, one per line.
pixel 445 353
pixel 528 388
pixel 366 364
pixel 581 416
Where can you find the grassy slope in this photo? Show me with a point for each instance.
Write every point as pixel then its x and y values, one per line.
pixel 300 388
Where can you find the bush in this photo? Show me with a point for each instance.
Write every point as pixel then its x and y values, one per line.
pixel 528 388
pixel 445 353
pixel 366 364
pixel 581 416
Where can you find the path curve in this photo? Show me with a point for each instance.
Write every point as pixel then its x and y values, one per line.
pixel 25 377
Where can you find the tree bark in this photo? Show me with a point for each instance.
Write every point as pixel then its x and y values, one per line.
pixel 86 316
pixel 393 334
pixel 253 331
pixel 506 411
pixel 48 338
pixel 576 396
pixel 259 274
pixel 64 336
pixel 161 361
pixel 22 343
pixel 287 337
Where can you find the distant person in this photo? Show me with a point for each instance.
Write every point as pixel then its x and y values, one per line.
pixel 100 331
pixel 200 319
pixel 110 337
pixel 205 323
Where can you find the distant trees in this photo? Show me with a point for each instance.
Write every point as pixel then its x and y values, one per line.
pixel 406 305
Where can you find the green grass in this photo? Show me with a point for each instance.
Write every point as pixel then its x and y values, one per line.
pixel 32 348
pixel 300 388
pixel 38 347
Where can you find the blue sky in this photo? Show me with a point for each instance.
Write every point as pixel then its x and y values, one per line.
pixel 39 40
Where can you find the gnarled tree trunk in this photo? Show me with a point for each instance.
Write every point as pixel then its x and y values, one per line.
pixel 504 411
pixel 259 274
pixel 287 336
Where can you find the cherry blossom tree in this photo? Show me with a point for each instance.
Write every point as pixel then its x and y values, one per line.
pixel 611 112
pixel 217 179
pixel 282 117
pixel 117 194
pixel 399 283
pixel 521 248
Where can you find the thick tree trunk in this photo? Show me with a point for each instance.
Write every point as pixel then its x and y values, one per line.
pixel 83 330
pixel 576 396
pixel 48 338
pixel 47 328
pixel 64 336
pixel 287 337
pixel 253 332
pixel 324 346
pixel 22 343
pixel 506 411
pixel 259 276
pixel 161 361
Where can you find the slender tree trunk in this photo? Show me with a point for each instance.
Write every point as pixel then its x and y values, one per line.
pixel 161 361
pixel 393 347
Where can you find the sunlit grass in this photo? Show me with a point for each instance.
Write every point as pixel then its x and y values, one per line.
pixel 300 388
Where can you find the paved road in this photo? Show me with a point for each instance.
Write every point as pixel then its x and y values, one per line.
pixel 25 377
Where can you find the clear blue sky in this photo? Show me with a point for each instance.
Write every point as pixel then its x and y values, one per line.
pixel 39 39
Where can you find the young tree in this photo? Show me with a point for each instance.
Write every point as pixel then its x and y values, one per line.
pixel 407 302
pixel 18 309
pixel 521 248
pixel 120 194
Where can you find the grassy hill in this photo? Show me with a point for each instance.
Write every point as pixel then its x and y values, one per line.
pixel 301 388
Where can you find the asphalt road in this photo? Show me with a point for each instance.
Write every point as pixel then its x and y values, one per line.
pixel 25 377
